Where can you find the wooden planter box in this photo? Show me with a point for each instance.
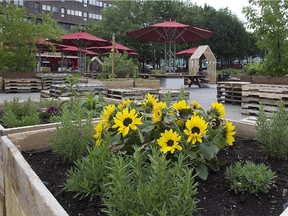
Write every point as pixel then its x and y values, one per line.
pixel 22 193
pixel 147 83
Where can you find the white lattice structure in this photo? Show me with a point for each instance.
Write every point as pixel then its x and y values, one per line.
pixel 211 60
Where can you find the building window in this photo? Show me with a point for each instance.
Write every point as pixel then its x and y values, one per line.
pixel 56 9
pixel 62 12
pixel 85 3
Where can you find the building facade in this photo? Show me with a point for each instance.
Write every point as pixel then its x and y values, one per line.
pixel 67 12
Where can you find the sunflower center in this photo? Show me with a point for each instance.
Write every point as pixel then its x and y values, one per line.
pixel 170 142
pixel 127 122
pixel 195 130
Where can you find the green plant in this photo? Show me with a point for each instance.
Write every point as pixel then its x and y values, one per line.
pixel 18 113
pixel 249 177
pixel 93 103
pixel 88 175
pixel 124 66
pixel 72 83
pixel 254 68
pixel 272 133
pixel 74 134
pixel 143 184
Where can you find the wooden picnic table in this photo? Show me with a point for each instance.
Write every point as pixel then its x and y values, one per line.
pixel 194 79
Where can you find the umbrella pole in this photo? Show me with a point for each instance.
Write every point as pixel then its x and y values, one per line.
pixel 113 57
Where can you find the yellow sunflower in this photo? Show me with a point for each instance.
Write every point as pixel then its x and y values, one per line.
pixel 98 132
pixel 107 114
pixel 126 120
pixel 196 127
pixel 229 133
pixel 150 99
pixel 124 103
pixel 195 105
pixel 220 109
pixel 157 111
pixel 169 141
pixel 180 105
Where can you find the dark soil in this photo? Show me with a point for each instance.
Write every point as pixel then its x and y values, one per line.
pixel 214 194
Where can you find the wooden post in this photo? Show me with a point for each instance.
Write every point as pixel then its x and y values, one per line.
pixel 113 57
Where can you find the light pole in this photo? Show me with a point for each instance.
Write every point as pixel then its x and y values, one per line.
pixel 113 57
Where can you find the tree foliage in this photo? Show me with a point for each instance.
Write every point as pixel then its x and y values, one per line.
pixel 269 21
pixel 229 41
pixel 19 36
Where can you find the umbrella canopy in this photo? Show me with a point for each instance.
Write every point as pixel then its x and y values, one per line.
pixel 186 52
pixel 170 31
pixel 74 51
pixel 83 40
pixel 117 46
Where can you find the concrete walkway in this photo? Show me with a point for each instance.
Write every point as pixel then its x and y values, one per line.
pixel 204 96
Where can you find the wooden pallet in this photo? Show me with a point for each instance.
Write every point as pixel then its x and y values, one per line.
pixel 45 94
pixel 22 85
pixel 62 90
pixel 130 93
pixel 230 92
pixel 255 95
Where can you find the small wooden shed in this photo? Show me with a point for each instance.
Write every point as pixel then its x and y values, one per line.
pixel 211 60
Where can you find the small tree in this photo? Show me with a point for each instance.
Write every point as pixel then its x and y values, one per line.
pixel 19 36
pixel 124 66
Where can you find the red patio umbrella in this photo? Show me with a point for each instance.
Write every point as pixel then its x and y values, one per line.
pixel 170 32
pixel 83 40
pixel 186 52
pixel 74 51
pixel 117 46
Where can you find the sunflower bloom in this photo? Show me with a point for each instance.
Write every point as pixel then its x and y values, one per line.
pixel 157 111
pixel 219 108
pixel 150 99
pixel 126 120
pixel 98 132
pixel 169 141
pixel 180 105
pixel 196 127
pixel 107 114
pixel 229 133
pixel 195 105
pixel 124 103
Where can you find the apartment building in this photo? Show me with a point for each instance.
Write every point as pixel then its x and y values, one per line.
pixel 67 12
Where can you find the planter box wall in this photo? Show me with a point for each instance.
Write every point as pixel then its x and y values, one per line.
pixel 263 79
pixel 22 193
pixel 147 83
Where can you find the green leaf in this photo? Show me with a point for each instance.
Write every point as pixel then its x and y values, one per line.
pixel 202 171
pixel 147 127
pixel 209 151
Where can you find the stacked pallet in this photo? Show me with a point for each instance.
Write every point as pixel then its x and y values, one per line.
pixel 131 93
pixel 230 92
pixel 172 93
pixel 49 79
pixel 1 84
pixel 45 94
pixel 254 95
pixel 62 90
pixel 22 85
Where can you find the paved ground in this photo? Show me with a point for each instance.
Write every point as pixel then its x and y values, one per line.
pixel 203 96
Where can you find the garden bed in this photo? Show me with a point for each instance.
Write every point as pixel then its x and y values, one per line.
pixel 214 194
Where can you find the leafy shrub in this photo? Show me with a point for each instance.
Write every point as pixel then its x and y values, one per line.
pixel 124 66
pixel 94 103
pixel 254 68
pixel 18 114
pixel 249 177
pixel 153 185
pixel 88 175
pixel 74 134
pixel 272 133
